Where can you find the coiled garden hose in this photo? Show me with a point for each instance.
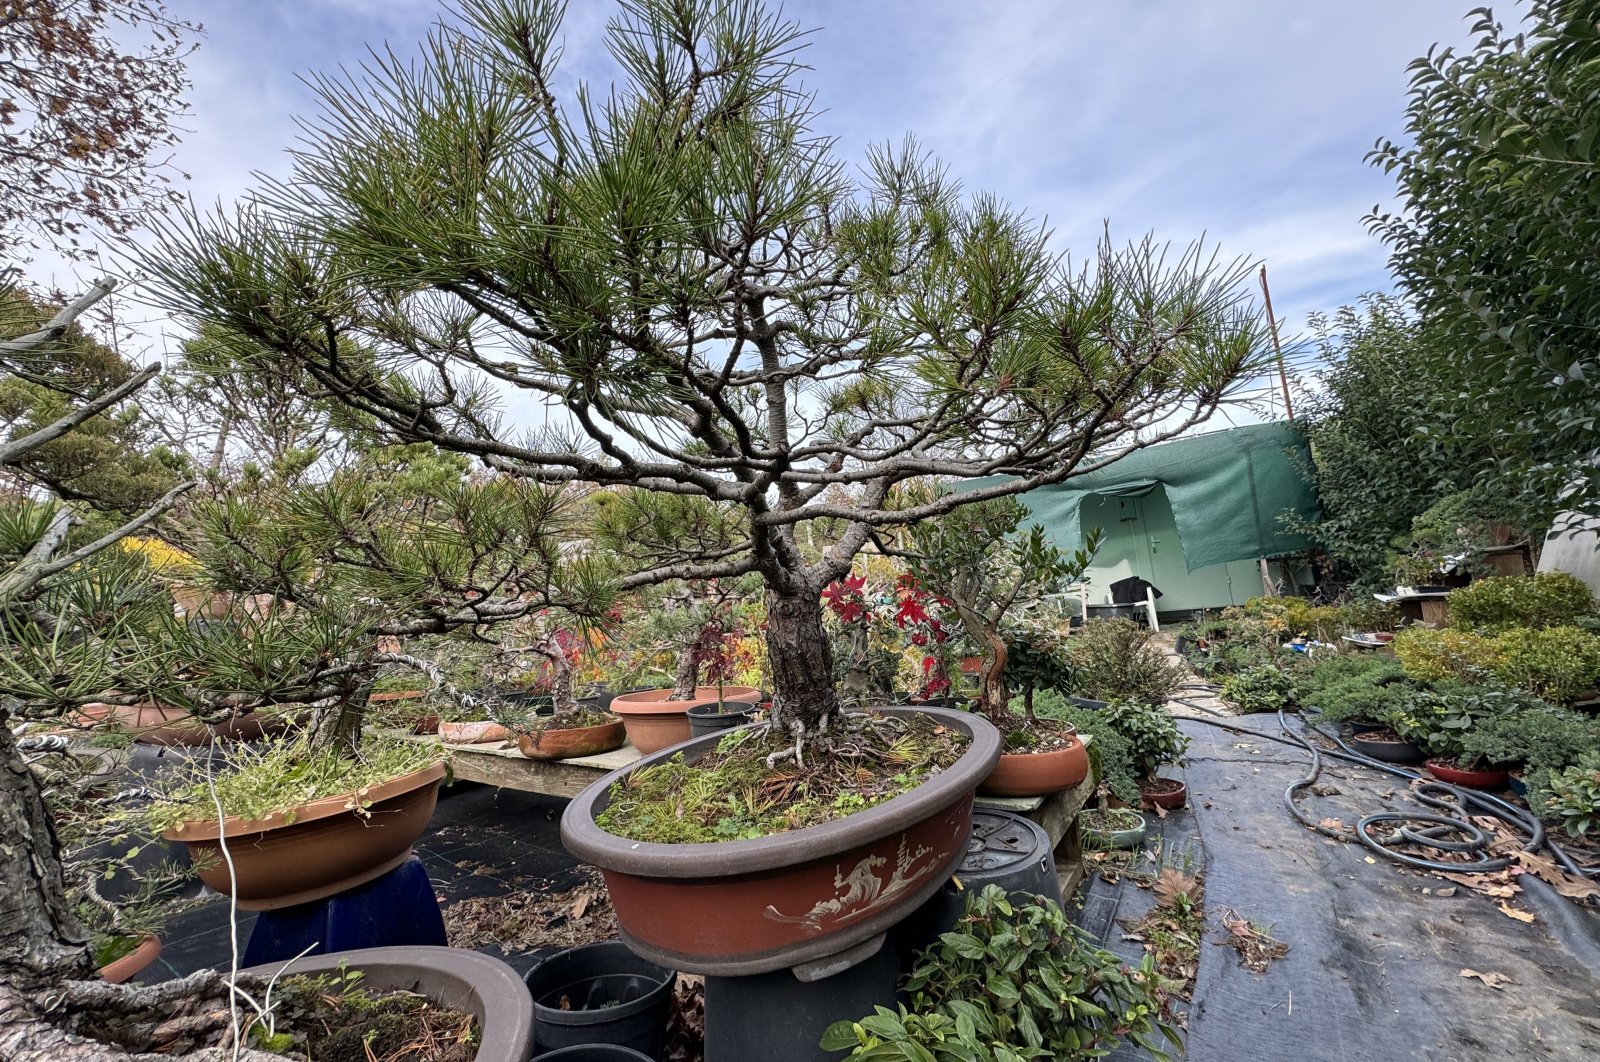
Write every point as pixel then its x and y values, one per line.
pixel 1452 800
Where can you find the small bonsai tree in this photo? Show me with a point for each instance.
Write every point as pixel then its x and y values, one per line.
pixel 976 558
pixel 681 267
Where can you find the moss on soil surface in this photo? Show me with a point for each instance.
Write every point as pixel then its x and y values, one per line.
pixel 733 795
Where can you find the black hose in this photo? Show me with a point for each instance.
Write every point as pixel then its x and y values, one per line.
pixel 1447 798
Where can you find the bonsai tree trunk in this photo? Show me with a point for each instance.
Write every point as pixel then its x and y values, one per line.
pixel 992 679
pixel 805 701
pixel 41 940
pixel 561 695
pixel 687 679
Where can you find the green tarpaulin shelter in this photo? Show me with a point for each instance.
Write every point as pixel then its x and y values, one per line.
pixel 1228 490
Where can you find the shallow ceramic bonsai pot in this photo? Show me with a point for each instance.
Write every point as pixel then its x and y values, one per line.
pixel 1131 836
pixel 755 906
pixel 477 732
pixel 318 849
pixel 1446 771
pixel 467 981
pixel 1020 774
pixel 156 724
pixel 655 723
pixel 1387 746
pixel 565 744
pixel 132 964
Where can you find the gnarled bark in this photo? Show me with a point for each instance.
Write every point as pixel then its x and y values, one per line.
pixel 802 660
pixel 42 942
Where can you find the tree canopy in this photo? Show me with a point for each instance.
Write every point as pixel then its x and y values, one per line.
pixel 1498 237
pixel 706 301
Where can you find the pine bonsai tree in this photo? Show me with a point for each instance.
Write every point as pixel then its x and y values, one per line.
pixel 683 272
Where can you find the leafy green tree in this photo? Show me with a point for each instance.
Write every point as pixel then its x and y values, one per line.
pixel 1383 447
pixel 1499 177
pixel 686 274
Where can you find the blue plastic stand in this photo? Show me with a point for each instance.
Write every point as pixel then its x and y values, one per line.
pixel 398 909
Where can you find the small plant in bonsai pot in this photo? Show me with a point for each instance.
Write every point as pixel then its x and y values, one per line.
pixel 1154 741
pixel 1440 720
pixel 976 559
pixel 571 730
pixel 1015 979
pixel 300 824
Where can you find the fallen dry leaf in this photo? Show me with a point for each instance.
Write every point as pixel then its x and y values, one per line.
pixel 1512 912
pixel 1331 824
pixel 1545 868
pixel 1493 980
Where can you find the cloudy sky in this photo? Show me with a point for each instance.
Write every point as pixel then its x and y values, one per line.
pixel 1244 120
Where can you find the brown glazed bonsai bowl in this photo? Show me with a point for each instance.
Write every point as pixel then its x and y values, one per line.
pixel 467 981
pixel 326 848
pixel 119 970
pixel 1039 773
pixel 755 906
pixel 578 741
pixel 655 723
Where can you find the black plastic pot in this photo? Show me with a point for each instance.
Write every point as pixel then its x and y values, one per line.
pixel 1387 751
pixel 598 697
pixel 707 719
pixel 596 1053
pixel 611 996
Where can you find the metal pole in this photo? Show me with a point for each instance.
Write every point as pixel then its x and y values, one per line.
pixel 1272 322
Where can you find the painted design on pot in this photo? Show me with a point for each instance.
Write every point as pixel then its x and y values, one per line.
pixel 862 891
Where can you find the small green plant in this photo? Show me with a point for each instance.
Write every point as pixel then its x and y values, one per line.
pixel 1441 719
pixel 1431 655
pixel 1262 689
pixel 1557 663
pixel 1356 686
pixel 1151 732
pixel 1114 659
pixel 1572 796
pixel 1548 599
pixel 1015 981
pixel 1532 732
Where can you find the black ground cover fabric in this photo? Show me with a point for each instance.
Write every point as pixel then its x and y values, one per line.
pixel 1375 967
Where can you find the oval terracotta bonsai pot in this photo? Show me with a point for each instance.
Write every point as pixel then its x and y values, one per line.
pixel 479 732
pixel 156 724
pixel 754 906
pixel 1167 793
pixel 132 964
pixel 320 848
pixel 577 741
pixel 467 981
pixel 1039 773
pixel 655 723
pixel 1446 771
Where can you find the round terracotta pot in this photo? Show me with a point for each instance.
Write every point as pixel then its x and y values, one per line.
pixel 754 906
pixel 577 741
pixel 1446 771
pixel 480 732
pixel 1039 773
pixel 155 724
pixel 1173 794
pixel 130 965
pixel 318 849
pixel 655 723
